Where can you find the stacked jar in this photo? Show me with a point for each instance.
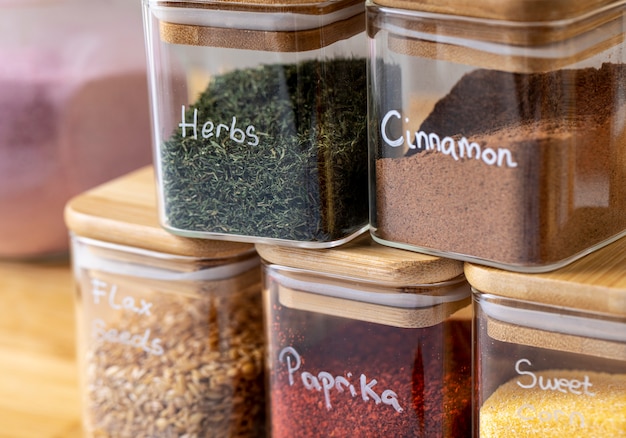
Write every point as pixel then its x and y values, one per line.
pixel 497 129
pixel 497 138
pixel 259 111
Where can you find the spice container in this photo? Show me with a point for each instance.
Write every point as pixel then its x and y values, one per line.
pixel 550 357
pixel 170 336
pixel 497 129
pixel 74 112
pixel 259 110
pixel 365 340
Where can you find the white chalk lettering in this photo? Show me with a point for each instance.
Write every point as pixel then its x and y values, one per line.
pixel 207 129
pixel 528 412
pixel 457 149
pixel 288 353
pixel 184 124
pixel 573 386
pixel 329 385
pixel 102 289
pixel 215 129
pixel 124 337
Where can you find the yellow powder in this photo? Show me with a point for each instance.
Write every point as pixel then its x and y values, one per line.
pixel 568 410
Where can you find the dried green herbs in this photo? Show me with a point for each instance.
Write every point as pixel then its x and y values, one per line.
pixel 277 151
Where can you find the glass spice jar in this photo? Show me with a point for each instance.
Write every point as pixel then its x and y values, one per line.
pixel 170 336
pixel 550 357
pixel 74 112
pixel 497 132
pixel 365 340
pixel 259 111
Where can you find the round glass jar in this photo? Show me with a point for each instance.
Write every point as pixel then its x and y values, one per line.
pixel 497 132
pixel 74 112
pixel 259 112
pixel 170 330
pixel 364 340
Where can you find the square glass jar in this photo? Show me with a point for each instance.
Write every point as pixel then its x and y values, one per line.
pixel 497 133
pixel 260 112
pixel 550 358
pixel 365 340
pixel 170 330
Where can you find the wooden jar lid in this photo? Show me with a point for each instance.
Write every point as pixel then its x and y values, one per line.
pixel 385 297
pixel 509 10
pixel 594 285
pixel 124 212
pixel 364 259
pixel 204 27
pixel 588 27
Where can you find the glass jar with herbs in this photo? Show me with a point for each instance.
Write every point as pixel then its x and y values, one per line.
pixel 259 111
pixel 550 354
pixel 170 329
pixel 497 133
pixel 365 340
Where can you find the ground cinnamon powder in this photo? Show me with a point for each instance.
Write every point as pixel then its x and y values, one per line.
pixel 566 133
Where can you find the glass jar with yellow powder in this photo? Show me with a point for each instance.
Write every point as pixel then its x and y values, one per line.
pixel 551 349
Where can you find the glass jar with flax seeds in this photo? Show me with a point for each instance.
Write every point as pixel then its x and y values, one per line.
pixel 170 330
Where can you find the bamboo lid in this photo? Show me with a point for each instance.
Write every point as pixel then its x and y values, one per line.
pixel 551 340
pixel 364 259
pixel 595 283
pixel 405 317
pixel 510 10
pixel 124 212
pixel 260 25
pixel 519 36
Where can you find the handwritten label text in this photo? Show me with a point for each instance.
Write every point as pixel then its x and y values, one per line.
pixel 327 383
pixel 217 130
pixel 456 148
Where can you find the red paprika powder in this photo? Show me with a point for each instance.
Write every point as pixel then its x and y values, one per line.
pixel 349 357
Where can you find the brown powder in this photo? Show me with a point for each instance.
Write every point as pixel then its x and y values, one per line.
pixel 564 130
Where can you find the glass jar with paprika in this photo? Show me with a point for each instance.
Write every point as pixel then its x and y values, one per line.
pixel 365 340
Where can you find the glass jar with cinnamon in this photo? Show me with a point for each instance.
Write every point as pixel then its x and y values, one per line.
pixel 550 358
pixel 260 116
pixel 170 338
pixel 497 129
pixel 366 340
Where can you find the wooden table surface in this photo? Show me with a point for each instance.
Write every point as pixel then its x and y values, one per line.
pixel 39 393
